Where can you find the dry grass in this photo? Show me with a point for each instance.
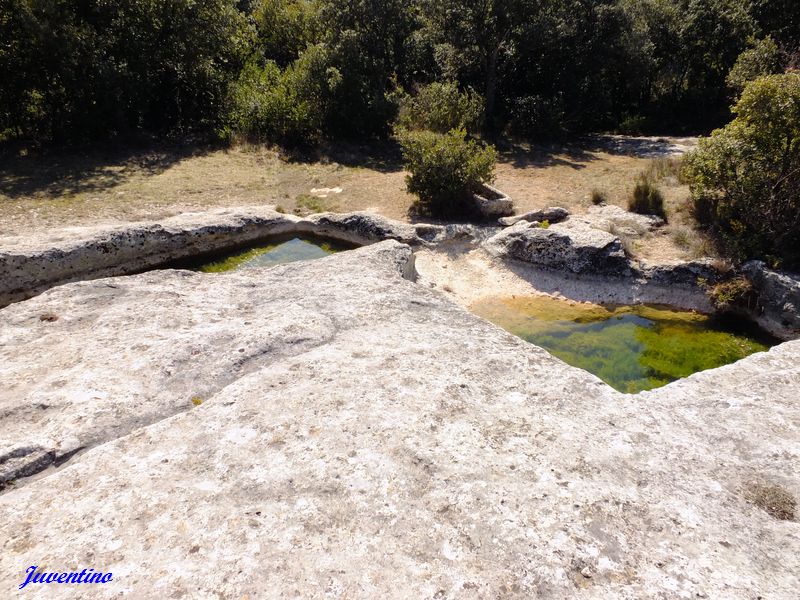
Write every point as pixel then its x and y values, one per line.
pixel 774 499
pixel 70 189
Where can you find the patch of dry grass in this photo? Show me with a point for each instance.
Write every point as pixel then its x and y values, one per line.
pixel 773 499
pixel 82 188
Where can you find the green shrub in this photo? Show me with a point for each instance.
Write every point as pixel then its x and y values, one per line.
pixel 538 117
pixel 745 178
pixel 764 58
pixel 441 107
pixel 646 198
pixel 285 107
pixel 445 170
pixel 632 125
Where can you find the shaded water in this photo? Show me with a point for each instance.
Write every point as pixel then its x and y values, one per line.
pixel 632 348
pixel 276 253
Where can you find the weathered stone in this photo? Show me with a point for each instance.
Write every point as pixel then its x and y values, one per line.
pixel 97 397
pixel 360 436
pixel 553 214
pixel 364 227
pixel 572 246
pixel 33 265
pixel 696 273
pixel 492 203
pixel 778 295
pixel 619 221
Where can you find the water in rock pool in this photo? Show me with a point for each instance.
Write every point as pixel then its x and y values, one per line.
pixel 632 348
pixel 276 253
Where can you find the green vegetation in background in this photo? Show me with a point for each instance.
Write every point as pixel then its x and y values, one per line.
pixel 299 72
pixel 292 71
pixel 745 178
pixel 632 348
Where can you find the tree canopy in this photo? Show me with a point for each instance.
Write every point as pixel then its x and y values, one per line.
pixel 295 71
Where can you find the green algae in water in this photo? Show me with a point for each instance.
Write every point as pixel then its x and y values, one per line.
pixel 632 348
pixel 277 253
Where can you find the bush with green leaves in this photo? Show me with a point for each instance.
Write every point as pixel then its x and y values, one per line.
pixel 745 178
pixel 284 107
pixel 441 107
pixel 445 169
pixel 763 58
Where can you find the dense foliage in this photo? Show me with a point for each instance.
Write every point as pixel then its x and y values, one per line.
pixel 293 71
pixel 97 68
pixel 445 169
pixel 441 107
pixel 745 178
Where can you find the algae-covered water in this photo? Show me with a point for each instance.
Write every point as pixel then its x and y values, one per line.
pixel 276 253
pixel 632 348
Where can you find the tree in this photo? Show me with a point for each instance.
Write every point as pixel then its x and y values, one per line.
pixel 745 178
pixel 75 70
pixel 367 43
pixel 763 58
pixel 441 107
pixel 284 28
pixel 691 46
pixel 472 38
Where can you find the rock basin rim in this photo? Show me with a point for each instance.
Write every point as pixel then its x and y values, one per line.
pixel 548 258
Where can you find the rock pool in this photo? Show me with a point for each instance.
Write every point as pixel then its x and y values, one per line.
pixel 277 252
pixel 632 348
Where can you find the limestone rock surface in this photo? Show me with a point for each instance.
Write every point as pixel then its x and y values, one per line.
pixel 332 430
pixel 32 264
pixel 615 219
pixel 572 246
pixel 779 295
pixel 553 214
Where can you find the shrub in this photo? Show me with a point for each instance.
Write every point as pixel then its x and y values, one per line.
pixel 735 292
pixel 441 107
pixel 632 125
pixel 286 107
pixel 745 178
pixel 598 197
pixel 445 170
pixel 537 117
pixel 683 236
pixel 646 198
pixel 666 167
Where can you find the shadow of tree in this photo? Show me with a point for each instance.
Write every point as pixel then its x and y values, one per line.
pixel 641 147
pixel 381 156
pixel 525 156
pixel 64 172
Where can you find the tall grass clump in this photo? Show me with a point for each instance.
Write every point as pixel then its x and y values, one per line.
pixel 646 197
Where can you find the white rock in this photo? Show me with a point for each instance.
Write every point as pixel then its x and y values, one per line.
pixel 373 440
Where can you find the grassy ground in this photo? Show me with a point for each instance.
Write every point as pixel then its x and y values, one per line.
pixel 106 186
